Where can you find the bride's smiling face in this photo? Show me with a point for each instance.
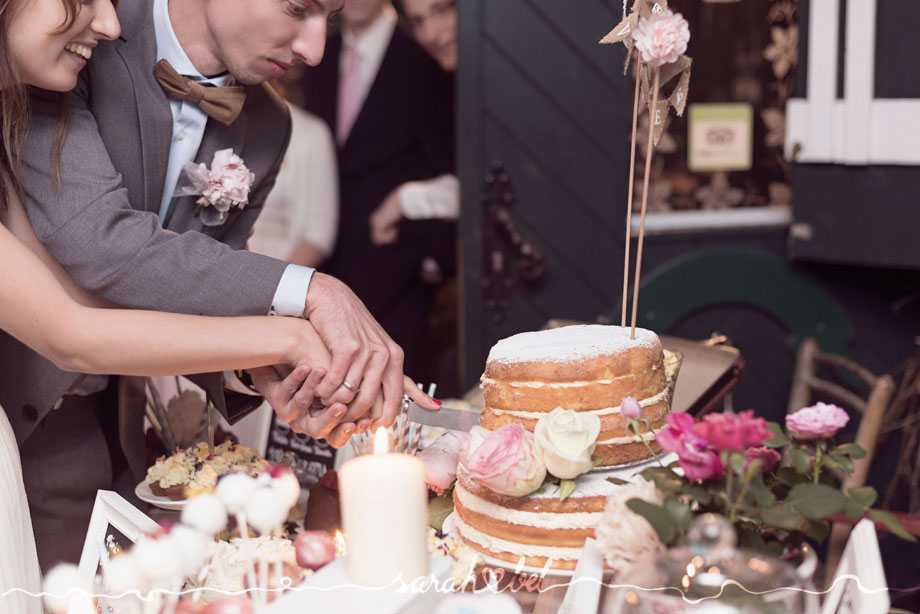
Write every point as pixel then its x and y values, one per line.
pixel 48 56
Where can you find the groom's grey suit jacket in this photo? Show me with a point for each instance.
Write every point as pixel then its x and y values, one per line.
pixel 100 221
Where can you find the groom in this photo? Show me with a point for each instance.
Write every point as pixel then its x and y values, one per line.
pixel 111 220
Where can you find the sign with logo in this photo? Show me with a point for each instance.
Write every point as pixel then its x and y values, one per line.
pixel 720 137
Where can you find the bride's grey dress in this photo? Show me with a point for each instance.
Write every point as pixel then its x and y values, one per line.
pixel 19 573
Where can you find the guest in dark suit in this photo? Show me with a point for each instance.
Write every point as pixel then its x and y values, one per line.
pixel 390 107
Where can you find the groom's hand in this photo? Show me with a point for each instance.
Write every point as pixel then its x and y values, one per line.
pixel 363 355
pixel 293 397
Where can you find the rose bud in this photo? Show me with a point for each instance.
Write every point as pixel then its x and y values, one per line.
pixel 314 549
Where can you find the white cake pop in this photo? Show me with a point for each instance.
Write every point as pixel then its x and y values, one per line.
pixel 157 560
pixel 121 576
pixel 288 488
pixel 59 585
pixel 235 490
pixel 265 510
pixel 205 513
pixel 194 546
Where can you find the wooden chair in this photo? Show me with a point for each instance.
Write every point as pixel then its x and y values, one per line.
pixel 872 409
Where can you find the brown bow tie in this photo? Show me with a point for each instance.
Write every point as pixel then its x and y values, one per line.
pixel 222 103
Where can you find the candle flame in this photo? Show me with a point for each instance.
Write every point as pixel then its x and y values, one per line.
pixel 381 442
pixel 340 548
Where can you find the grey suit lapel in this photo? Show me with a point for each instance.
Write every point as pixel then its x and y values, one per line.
pixel 138 48
pixel 216 137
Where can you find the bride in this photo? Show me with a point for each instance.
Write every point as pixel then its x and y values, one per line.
pixel 42 307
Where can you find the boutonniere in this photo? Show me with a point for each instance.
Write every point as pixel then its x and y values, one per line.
pixel 224 186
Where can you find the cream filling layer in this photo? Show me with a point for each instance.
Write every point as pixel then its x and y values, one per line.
pixel 496 544
pixel 543 520
pixel 597 412
pixel 647 436
pixel 575 384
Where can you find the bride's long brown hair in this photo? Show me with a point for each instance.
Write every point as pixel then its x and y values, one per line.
pixel 14 102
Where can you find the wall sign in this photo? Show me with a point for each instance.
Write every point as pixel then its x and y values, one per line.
pixel 720 137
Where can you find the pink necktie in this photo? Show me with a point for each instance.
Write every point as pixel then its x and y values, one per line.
pixel 349 94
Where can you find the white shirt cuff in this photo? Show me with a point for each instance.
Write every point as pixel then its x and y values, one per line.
pixel 291 296
pixel 434 198
pixel 232 382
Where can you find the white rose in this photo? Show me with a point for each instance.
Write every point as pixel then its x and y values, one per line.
pixel 567 439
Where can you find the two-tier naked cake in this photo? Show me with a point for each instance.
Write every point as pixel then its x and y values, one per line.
pixel 583 368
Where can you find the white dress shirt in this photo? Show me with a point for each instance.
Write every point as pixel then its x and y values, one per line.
pixel 303 207
pixel 189 123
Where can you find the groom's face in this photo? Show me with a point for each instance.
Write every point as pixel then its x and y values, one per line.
pixel 260 39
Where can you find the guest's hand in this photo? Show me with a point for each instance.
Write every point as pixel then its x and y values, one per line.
pixel 293 399
pixel 385 219
pixel 365 360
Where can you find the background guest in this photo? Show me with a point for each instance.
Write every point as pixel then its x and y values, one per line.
pixel 390 108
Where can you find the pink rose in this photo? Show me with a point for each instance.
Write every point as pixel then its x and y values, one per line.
pixel 819 420
pixel 630 408
pixel 505 460
pixel 768 458
pixel 735 432
pixel 698 460
pixel 662 37
pixel 440 460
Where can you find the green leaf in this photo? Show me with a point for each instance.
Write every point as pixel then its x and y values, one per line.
pixel 782 517
pixel 751 541
pixel 759 492
pixel 800 459
pixel 844 460
pixel 779 438
pixel 817 530
pixel 853 510
pixel 665 479
pixel 680 513
pixel 698 493
pixel 852 450
pixel 865 496
pixel 439 508
pixel 737 462
pixel 597 462
pixel 830 463
pixel 657 516
pixel 788 475
pixel 816 500
pixel 891 522
pixel 617 481
pixel 566 488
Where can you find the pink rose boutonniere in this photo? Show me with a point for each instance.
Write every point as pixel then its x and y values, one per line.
pixel 224 186
pixel 506 460
pixel 662 38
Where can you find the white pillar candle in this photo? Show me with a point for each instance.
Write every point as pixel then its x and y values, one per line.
pixel 385 516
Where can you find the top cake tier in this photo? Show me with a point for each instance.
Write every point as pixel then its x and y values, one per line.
pixel 573 353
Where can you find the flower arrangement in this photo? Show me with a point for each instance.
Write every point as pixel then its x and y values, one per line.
pixel 224 186
pixel 730 464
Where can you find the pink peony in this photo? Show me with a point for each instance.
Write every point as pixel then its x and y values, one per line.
pixel 735 432
pixel 819 420
pixel 694 454
pixel 440 460
pixel 768 458
pixel 505 460
pixel 630 408
pixel 662 37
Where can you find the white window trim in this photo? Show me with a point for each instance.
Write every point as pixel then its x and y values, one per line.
pixel 859 129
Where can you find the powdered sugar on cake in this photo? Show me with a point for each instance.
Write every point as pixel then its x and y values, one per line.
pixel 570 343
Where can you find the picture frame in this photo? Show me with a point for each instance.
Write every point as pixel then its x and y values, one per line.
pixel 110 511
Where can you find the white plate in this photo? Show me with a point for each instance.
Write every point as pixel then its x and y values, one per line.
pixel 144 493
pixel 450 527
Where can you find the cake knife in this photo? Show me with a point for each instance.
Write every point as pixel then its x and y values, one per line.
pixel 445 417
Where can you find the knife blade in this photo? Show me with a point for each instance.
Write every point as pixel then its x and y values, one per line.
pixel 445 417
